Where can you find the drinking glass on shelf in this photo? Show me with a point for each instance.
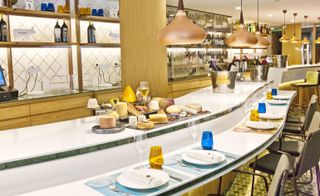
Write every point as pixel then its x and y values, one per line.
pixel 144 89
pixel 194 132
pixel 156 157
pixel 140 146
pixel 207 140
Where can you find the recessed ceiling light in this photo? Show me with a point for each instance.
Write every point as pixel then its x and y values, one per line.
pixel 270 15
pixel 238 8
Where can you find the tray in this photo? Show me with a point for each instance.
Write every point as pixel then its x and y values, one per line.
pixel 119 128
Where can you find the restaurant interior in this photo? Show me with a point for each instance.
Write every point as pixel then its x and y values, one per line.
pixel 159 97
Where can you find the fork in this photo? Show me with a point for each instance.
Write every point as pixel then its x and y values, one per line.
pixel 113 188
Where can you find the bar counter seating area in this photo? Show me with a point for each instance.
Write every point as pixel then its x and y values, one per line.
pixel 159 97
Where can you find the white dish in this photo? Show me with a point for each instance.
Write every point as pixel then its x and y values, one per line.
pixel 99 183
pixel 270 116
pixel 218 158
pixel 280 97
pixel 133 184
pixel 277 102
pixel 260 125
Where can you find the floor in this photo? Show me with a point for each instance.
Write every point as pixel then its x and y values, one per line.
pixel 242 185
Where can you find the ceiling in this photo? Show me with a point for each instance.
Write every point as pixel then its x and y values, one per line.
pixel 270 10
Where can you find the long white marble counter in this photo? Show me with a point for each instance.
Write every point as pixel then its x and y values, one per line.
pixel 67 176
pixel 64 136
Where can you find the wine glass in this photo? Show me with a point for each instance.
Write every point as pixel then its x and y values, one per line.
pixel 144 89
pixel 140 146
pixel 194 132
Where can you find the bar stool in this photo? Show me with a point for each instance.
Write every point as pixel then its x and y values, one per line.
pixel 311 82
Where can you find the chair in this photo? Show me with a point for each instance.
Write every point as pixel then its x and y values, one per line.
pixel 280 176
pixel 311 81
pixel 294 147
pixel 290 129
pixel 308 159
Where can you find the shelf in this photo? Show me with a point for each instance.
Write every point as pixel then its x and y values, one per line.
pixel 100 45
pixel 33 13
pixel 99 19
pixel 34 45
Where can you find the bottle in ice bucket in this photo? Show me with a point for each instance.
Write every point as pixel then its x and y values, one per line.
pixel 254 115
pixel 156 157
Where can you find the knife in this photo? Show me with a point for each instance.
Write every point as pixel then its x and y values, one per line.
pixel 176 178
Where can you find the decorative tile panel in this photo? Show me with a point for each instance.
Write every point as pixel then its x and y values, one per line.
pixel 4 62
pixel 105 32
pixel 42 28
pixel 52 63
pixel 108 59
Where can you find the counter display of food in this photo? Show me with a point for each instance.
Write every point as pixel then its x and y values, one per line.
pixel 61 158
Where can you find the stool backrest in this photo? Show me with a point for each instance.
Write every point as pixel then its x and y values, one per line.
pixel 310 154
pixel 280 176
pixel 312 77
pixel 312 108
pixel 315 123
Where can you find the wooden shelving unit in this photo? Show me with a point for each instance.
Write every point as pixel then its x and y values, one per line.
pixel 99 19
pixel 8 10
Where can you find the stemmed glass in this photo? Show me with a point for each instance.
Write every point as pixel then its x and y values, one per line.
pixel 144 90
pixel 140 146
pixel 194 132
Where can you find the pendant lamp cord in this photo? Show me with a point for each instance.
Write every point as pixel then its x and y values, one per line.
pixel 294 24
pixel 284 21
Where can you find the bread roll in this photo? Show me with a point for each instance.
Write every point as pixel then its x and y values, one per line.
pixel 174 109
pixel 196 107
pixel 145 125
pixel 158 118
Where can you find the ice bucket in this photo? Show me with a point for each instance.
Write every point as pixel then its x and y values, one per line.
pixel 223 81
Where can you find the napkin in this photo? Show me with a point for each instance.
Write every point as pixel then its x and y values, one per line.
pixel 141 177
pixel 201 155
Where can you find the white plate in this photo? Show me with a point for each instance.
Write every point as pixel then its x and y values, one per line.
pixel 158 174
pixel 218 158
pixel 270 116
pixel 260 125
pixel 277 102
pixel 280 97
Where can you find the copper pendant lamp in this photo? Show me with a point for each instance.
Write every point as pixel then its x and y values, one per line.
pixel 294 39
pixel 284 38
pixel 182 30
pixel 241 38
pixel 305 40
pixel 262 42
pixel 318 40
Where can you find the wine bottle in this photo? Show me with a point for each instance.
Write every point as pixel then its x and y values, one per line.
pixel 91 33
pixel 64 32
pixel 3 30
pixel 57 32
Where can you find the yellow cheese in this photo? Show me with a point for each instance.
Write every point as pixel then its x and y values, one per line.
pixel 122 109
pixel 129 95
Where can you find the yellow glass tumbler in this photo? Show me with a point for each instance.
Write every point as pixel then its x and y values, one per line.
pixel 254 115
pixel 269 96
pixel 156 157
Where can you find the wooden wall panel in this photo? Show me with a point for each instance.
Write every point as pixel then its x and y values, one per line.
pixel 15 123
pixel 60 104
pixel 178 89
pixel 60 116
pixel 291 49
pixel 143 58
pixel 105 96
pixel 14 112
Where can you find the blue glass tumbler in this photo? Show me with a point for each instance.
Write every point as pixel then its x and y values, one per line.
pixel 262 108
pixel 207 140
pixel 274 92
pixel 100 12
pixel 50 7
pixel 44 7
pixel 95 12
